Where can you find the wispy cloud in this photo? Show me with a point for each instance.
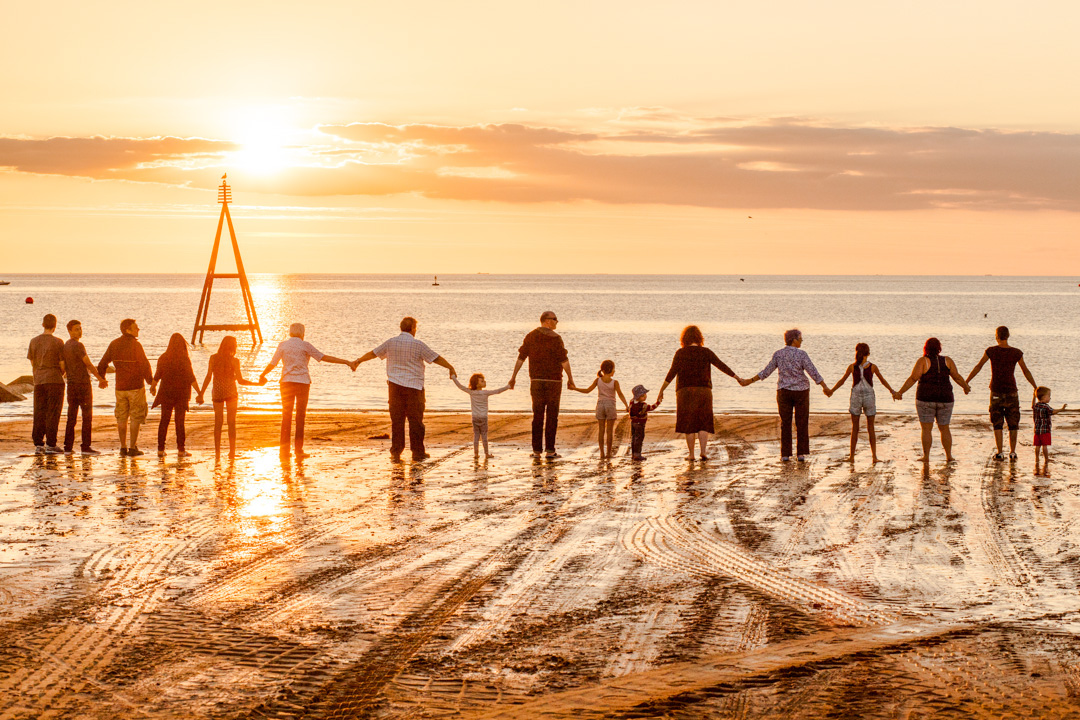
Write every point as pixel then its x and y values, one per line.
pixel 641 156
pixel 105 157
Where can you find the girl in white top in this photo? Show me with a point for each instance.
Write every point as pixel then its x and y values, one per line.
pixel 478 396
pixel 607 387
pixel 863 399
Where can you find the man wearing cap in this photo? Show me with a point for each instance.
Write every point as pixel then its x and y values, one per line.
pixel 544 349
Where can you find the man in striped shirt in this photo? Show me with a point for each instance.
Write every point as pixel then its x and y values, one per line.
pixel 792 392
pixel 405 358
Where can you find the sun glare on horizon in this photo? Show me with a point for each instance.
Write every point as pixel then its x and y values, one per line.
pixel 264 136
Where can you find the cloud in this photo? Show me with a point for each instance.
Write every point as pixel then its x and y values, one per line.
pixel 643 156
pixel 103 157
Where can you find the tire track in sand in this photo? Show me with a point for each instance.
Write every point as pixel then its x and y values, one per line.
pixel 79 649
pixel 666 542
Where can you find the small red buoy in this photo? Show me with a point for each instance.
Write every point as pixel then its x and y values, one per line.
pixel 29 301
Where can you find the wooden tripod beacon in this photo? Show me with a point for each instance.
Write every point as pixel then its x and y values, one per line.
pixel 224 198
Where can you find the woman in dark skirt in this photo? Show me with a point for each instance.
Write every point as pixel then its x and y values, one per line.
pixel 692 365
pixel 172 386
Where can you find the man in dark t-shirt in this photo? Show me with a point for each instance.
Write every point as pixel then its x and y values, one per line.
pixel 80 393
pixel 1004 397
pixel 544 349
pixel 46 358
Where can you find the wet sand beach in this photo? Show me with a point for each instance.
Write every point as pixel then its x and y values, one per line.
pixel 347 586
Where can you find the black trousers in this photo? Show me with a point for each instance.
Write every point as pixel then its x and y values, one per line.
pixel 80 397
pixel 637 438
pixel 796 402
pixel 168 409
pixel 406 404
pixel 48 404
pixel 545 406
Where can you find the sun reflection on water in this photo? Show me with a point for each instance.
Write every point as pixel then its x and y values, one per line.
pixel 256 493
pixel 274 305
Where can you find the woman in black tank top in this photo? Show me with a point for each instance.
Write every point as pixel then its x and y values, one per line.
pixel 934 396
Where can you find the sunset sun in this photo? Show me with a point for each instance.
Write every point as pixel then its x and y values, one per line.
pixel 264 139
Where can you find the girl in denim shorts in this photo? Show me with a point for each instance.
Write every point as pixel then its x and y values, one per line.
pixel 863 400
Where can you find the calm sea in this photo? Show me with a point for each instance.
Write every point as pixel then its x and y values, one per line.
pixel 477 322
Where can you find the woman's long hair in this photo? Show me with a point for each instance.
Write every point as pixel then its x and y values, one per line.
pixel 932 348
pixel 177 347
pixel 691 335
pixel 862 350
pixel 227 346
pixel 606 368
pixel 176 354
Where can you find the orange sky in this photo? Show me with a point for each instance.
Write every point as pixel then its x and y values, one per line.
pixel 566 137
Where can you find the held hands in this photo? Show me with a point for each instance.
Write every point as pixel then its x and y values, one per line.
pixel 746 381
pixel 199 399
pixel 103 383
pixel 897 396
pixel 512 382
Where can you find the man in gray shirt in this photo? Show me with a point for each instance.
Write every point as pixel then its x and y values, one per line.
pixel 46 358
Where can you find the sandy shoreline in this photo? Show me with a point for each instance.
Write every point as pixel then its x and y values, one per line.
pixel 370 429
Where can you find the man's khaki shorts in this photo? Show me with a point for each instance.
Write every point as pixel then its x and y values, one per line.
pixel 131 405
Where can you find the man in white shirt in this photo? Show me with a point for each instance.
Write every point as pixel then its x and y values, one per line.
pixel 294 355
pixel 405 357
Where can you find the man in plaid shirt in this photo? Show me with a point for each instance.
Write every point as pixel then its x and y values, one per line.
pixel 405 357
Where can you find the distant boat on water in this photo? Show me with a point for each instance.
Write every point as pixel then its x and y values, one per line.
pixel 436 283
pixel 4 282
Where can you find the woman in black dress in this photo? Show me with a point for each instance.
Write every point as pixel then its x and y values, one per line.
pixel 173 381
pixel 693 391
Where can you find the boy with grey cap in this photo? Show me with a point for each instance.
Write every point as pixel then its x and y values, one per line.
pixel 639 415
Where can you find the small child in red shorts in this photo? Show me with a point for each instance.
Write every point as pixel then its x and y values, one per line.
pixel 1040 408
